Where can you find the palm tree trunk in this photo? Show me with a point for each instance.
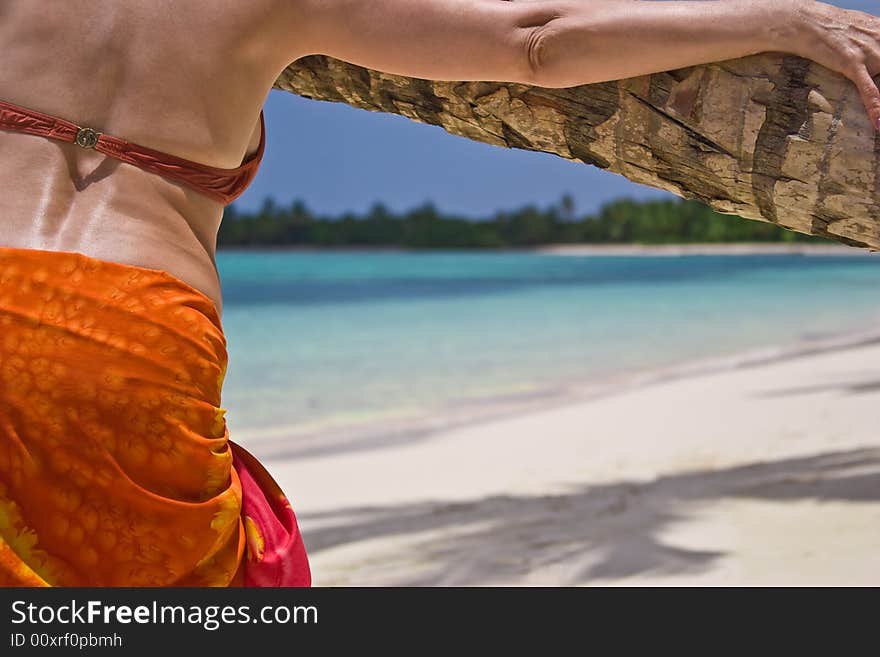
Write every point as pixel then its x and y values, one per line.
pixel 771 137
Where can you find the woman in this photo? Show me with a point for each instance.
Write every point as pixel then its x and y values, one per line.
pixel 126 126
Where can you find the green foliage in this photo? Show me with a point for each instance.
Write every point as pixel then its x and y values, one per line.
pixel 618 222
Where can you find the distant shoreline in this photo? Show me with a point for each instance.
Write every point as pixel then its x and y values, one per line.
pixel 728 248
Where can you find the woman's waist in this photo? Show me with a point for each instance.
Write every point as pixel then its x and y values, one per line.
pixel 141 244
pixel 124 217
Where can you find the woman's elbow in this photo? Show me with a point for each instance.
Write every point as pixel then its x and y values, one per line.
pixel 568 48
pixel 546 57
pixel 534 28
pixel 535 54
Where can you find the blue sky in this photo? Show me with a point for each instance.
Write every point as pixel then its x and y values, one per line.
pixel 337 158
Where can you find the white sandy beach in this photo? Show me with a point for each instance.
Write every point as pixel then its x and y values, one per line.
pixel 766 473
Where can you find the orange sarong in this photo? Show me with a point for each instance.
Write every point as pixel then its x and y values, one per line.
pixel 116 467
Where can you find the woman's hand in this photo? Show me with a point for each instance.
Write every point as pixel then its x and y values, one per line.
pixel 843 40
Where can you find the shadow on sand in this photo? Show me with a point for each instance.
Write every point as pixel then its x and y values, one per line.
pixel 593 532
pixel 851 388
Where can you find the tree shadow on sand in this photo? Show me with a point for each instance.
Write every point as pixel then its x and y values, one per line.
pixel 851 388
pixel 593 532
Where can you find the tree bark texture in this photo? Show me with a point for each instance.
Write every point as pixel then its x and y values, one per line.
pixel 771 137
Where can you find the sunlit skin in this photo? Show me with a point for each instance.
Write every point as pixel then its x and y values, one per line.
pixel 189 78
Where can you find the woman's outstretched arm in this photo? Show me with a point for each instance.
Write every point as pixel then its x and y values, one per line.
pixel 563 43
pixel 598 40
pixel 624 38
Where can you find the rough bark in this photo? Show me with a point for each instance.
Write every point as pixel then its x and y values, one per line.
pixel 771 137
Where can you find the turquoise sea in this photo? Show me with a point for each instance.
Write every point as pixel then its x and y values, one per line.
pixel 329 341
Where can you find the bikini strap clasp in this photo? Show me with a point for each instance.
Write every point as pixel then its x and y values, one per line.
pixel 87 138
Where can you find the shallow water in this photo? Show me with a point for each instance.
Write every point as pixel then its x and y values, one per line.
pixel 326 339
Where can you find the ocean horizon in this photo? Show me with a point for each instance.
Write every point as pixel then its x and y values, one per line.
pixel 325 343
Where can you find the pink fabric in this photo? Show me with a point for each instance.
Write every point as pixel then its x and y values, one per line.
pixel 224 185
pixel 276 555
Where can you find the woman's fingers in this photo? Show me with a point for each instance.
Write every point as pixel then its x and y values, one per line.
pixel 869 93
pixel 845 41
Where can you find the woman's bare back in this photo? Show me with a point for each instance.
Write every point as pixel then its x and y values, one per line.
pixel 181 77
